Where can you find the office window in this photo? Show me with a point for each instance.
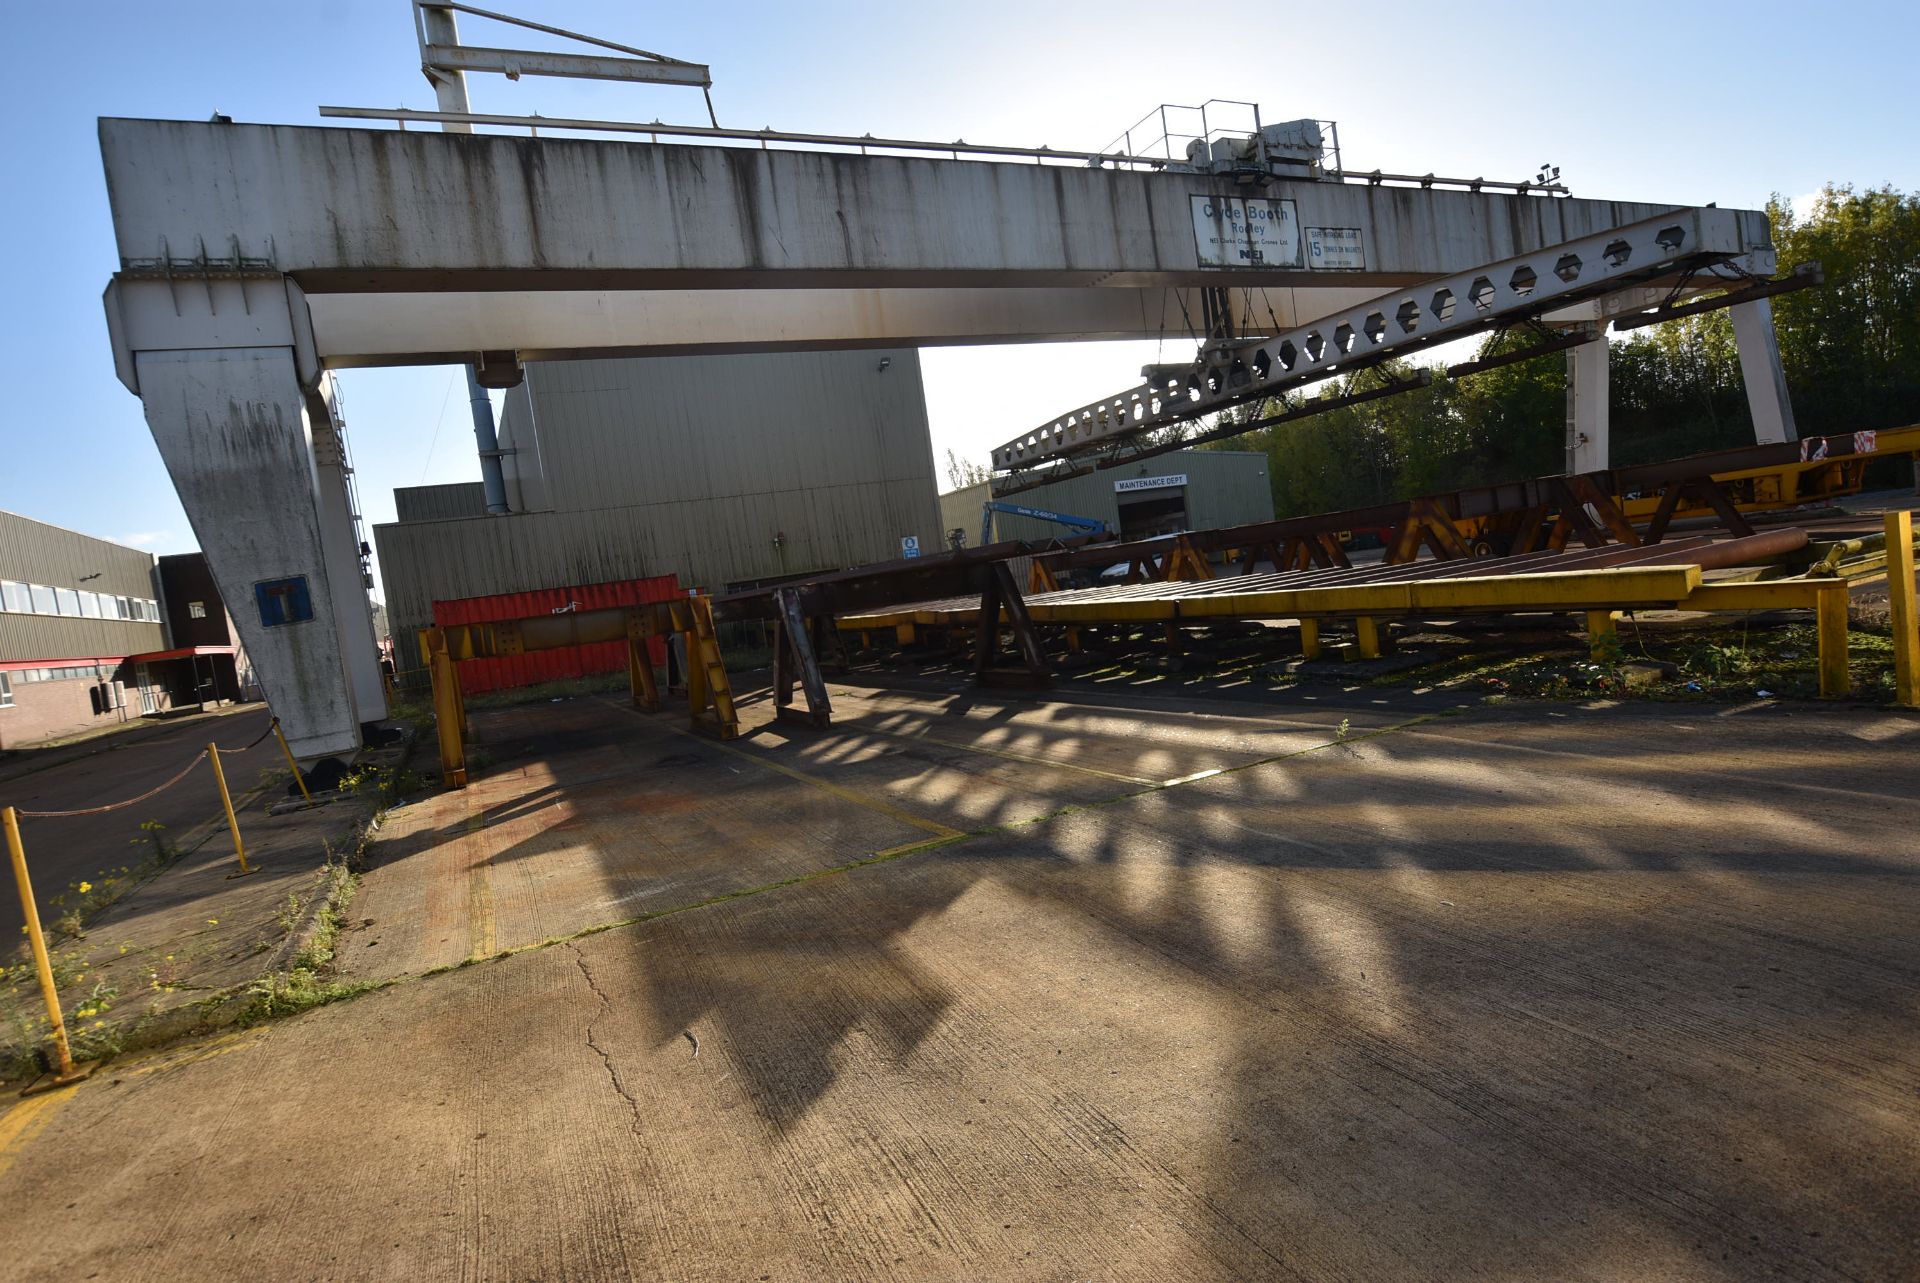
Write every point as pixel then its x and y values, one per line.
pixel 67 601
pixel 15 597
pixel 197 609
pixel 89 604
pixel 6 691
pixel 42 599
pixel 123 609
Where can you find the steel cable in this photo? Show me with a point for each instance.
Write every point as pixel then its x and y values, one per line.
pixel 134 801
pixel 115 806
pixel 256 743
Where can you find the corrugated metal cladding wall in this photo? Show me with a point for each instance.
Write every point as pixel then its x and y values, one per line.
pixel 35 552
pixel 1224 488
pixel 477 676
pixel 437 503
pixel 715 469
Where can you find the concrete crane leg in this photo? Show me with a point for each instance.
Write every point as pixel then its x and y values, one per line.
pixel 1761 371
pixel 233 428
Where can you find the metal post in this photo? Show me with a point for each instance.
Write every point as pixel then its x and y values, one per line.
pixel 448 710
pixel 291 764
pixel 646 694
pixel 1830 619
pixel 1603 635
pixel 1906 620
pixel 226 800
pixel 1369 637
pixel 486 440
pixel 64 1071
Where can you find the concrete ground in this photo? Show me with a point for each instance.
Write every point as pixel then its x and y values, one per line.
pixel 1115 989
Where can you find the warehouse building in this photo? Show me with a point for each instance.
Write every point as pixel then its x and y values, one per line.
pixel 86 641
pixel 1182 490
pixel 721 470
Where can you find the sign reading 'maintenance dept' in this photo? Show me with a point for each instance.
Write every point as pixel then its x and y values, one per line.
pixel 1229 231
pixel 1150 483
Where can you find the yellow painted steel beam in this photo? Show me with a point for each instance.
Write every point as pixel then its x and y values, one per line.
pixel 1830 620
pixel 556 632
pixel 1773 594
pixel 1606 589
pixel 1906 619
pixel 449 710
pixel 1140 610
pixel 1369 636
pixel 1603 635
pixel 1827 598
pixel 1553 591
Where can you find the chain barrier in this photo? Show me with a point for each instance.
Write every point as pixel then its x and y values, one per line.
pixel 65 1070
pixel 199 757
pixel 116 806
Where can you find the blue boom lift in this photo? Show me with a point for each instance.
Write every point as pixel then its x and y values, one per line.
pixel 1087 525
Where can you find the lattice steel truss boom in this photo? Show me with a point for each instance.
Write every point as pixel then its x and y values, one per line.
pixel 1447 307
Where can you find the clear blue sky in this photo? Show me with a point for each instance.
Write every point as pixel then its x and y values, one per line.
pixel 1670 101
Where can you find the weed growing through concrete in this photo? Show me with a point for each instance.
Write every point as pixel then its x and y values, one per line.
pixel 308 980
pixel 383 784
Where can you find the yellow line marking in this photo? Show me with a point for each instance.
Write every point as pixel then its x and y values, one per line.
pixel 219 1046
pixel 845 794
pixel 908 848
pixel 482 941
pixel 19 1125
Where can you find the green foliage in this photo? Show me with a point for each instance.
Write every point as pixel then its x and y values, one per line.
pixel 1851 350
pixel 382 784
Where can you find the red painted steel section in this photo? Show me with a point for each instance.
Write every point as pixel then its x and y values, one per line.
pixel 478 676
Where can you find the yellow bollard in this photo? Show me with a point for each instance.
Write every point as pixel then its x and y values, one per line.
pixel 65 1071
pixel 1900 595
pixel 291 764
pixel 226 800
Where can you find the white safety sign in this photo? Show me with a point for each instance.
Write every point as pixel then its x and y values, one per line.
pixel 1334 248
pixel 1229 231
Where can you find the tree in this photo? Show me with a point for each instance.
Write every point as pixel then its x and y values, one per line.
pixel 1852 347
pixel 962 473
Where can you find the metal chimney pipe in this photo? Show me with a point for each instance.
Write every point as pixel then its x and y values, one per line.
pixel 491 477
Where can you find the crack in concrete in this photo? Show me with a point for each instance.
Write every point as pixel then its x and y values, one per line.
pixel 613 1075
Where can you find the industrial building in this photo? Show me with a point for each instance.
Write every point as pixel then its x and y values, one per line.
pixel 1183 490
pixel 722 470
pixel 94 633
